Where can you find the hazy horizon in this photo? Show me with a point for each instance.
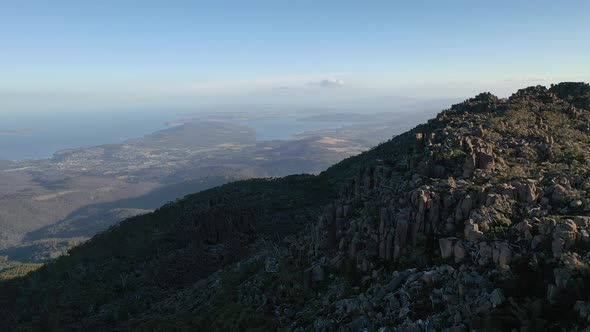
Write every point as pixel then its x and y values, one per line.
pixel 38 134
pixel 88 56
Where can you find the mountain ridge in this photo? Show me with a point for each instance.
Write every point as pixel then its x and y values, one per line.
pixel 477 219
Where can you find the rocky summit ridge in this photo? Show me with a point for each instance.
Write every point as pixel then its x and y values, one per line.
pixel 478 219
pixel 487 208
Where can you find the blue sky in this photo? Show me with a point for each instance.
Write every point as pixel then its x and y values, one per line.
pixel 120 54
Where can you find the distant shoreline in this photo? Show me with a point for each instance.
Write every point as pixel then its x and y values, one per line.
pixel 19 131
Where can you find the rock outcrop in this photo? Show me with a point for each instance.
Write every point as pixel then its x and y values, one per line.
pixel 410 209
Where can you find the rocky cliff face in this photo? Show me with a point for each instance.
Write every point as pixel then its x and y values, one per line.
pixel 476 220
pixel 492 192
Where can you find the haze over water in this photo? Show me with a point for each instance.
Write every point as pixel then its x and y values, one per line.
pixel 31 135
pixel 38 135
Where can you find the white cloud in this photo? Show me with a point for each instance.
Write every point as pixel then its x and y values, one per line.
pixel 328 82
pixel 289 82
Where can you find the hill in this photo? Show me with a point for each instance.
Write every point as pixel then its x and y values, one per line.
pixel 48 205
pixel 79 192
pixel 475 220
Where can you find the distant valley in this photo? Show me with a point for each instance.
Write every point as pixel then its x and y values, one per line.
pixel 49 205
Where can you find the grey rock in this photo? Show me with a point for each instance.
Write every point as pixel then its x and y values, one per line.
pixel 559 193
pixel 552 293
pixel 446 247
pixel 582 221
pixel 505 256
pixel 483 307
pixel 318 273
pixel 271 265
pixel 497 297
pixel 459 252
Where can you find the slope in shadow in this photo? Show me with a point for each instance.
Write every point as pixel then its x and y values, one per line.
pixel 91 219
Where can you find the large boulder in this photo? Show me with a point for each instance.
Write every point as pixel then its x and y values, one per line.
pixel 446 247
pixel 459 252
pixel 472 232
